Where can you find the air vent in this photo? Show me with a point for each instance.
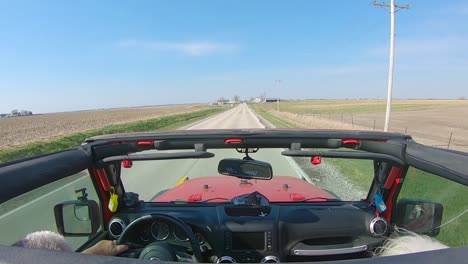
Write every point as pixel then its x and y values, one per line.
pixel 270 259
pixel 378 226
pixel 116 227
pixel 226 259
pixel 247 211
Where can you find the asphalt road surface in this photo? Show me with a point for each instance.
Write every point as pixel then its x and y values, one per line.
pixel 22 215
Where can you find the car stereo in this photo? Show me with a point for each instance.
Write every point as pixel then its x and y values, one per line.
pixel 247 241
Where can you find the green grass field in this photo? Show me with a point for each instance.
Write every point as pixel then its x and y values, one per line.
pixel 74 140
pixel 453 196
pixel 417 185
pixel 276 121
pixel 358 171
pixel 358 106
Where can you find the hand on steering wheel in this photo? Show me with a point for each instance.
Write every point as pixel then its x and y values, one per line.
pixel 161 250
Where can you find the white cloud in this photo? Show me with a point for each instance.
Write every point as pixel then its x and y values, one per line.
pixel 191 48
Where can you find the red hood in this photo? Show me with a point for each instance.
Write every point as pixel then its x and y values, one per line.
pixel 278 189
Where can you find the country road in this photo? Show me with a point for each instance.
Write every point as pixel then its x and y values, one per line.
pixel 149 177
pixel 21 215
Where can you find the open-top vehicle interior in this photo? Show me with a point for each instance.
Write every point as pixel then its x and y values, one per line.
pixel 240 206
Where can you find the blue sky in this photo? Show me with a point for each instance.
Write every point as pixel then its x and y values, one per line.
pixel 73 55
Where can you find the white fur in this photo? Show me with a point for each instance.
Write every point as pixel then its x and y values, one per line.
pixel 407 243
pixel 46 240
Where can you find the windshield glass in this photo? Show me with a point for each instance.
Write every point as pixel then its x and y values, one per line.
pixel 294 179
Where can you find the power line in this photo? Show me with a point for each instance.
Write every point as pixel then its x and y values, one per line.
pixel 393 9
pixel 385 6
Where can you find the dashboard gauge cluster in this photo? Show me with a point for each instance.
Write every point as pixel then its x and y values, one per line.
pixel 179 234
pixel 162 230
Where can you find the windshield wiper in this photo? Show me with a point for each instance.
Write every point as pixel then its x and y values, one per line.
pixel 217 198
pixel 226 200
pixel 317 198
pixel 201 201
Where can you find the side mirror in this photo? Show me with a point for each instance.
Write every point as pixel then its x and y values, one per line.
pixel 246 169
pixel 419 216
pixel 77 218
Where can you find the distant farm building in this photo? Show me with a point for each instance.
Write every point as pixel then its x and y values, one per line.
pixel 15 113
pixel 221 102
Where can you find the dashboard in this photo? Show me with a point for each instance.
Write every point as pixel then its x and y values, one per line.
pixel 262 234
pixel 161 230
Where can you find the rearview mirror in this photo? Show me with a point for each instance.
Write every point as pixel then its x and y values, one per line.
pixel 77 218
pixel 246 169
pixel 419 216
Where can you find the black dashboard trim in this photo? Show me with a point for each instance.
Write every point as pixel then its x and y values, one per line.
pixel 290 226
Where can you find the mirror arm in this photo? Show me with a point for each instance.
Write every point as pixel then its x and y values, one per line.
pixel 247 157
pixel 84 195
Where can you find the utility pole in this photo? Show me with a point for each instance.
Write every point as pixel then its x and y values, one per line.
pixel 393 9
pixel 278 83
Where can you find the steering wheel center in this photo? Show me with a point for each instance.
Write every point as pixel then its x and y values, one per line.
pixel 160 251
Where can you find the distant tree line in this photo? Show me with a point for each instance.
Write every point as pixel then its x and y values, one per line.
pixel 16 112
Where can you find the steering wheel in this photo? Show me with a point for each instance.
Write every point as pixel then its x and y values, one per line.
pixel 161 250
